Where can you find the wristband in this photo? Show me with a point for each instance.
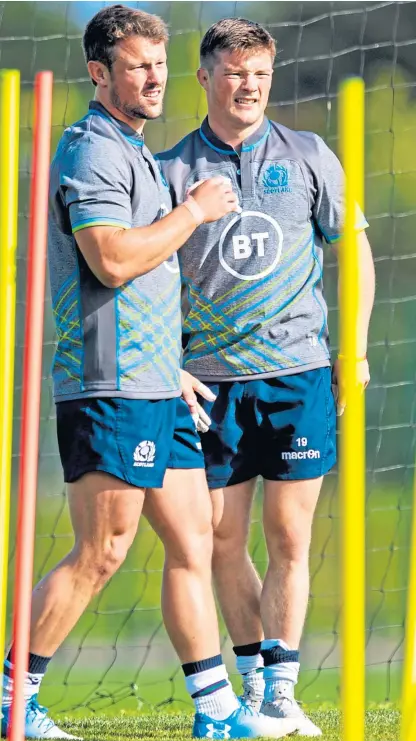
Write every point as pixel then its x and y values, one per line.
pixel 357 360
pixel 194 209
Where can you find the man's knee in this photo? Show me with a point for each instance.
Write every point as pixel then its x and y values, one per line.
pixel 230 547
pixel 195 557
pixel 232 521
pixel 289 542
pixel 288 513
pixel 100 563
pixel 191 551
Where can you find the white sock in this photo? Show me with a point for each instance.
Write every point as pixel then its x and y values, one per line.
pixel 219 704
pixel 31 685
pixel 246 664
pixel 253 681
pixel 279 678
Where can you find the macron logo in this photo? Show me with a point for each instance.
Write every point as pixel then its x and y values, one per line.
pixel 300 455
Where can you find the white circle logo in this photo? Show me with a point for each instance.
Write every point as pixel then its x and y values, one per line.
pixel 261 246
pixel 145 452
pixel 172 264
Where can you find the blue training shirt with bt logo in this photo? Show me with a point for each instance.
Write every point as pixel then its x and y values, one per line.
pixel 112 342
pixel 253 303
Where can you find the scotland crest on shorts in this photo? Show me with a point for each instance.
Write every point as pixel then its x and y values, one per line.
pixel 144 454
pixel 276 179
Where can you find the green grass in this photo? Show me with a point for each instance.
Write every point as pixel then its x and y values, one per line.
pixel 382 724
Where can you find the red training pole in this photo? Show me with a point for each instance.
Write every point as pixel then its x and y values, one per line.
pixel 32 375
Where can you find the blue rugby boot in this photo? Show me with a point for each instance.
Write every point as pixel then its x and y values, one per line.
pixel 243 723
pixel 37 722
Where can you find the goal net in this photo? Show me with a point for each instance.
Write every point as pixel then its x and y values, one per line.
pixel 118 656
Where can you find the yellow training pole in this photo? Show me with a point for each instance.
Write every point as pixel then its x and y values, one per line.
pixel 408 726
pixel 9 175
pixel 352 448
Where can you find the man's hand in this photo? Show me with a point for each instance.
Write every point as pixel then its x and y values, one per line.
pixel 215 197
pixel 190 387
pixel 363 379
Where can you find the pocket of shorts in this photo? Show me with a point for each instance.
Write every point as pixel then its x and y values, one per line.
pixel 118 435
pixel 330 404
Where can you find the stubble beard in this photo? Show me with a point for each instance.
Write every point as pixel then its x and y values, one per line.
pixel 132 111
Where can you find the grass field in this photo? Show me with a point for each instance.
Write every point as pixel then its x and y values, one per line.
pixel 382 724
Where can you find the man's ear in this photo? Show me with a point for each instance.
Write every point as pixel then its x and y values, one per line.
pixel 203 76
pixel 99 73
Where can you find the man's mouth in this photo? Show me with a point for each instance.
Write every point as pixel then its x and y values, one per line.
pixel 152 94
pixel 246 100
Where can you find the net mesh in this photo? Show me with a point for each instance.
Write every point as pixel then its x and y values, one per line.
pixel 118 656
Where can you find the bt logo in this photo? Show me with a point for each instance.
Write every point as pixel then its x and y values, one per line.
pixel 242 244
pixel 259 246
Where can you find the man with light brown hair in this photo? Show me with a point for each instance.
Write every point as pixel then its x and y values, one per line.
pixel 127 440
pixel 255 324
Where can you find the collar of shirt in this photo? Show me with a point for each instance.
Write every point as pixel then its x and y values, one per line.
pixel 133 136
pixel 252 142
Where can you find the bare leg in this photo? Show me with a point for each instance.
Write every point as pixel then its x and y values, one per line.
pixel 181 514
pixel 288 512
pixel 105 514
pixel 237 583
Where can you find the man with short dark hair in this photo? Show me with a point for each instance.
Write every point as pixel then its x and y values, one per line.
pixel 255 324
pixel 124 431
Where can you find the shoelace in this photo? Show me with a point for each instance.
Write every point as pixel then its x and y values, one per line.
pixel 34 710
pixel 249 692
pixel 247 710
pixel 293 702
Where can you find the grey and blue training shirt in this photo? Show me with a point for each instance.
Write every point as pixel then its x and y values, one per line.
pixel 253 302
pixel 111 341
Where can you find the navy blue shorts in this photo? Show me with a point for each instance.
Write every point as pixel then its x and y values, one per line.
pixel 135 440
pixel 281 428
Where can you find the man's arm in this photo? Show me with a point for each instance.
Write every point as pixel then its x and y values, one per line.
pixel 366 290
pixel 116 256
pixel 95 185
pixel 329 214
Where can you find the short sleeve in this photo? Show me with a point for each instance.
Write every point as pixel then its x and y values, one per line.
pixel 329 206
pixel 95 183
pixel 164 174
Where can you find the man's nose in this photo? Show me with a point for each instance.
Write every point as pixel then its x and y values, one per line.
pixel 155 75
pixel 249 83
